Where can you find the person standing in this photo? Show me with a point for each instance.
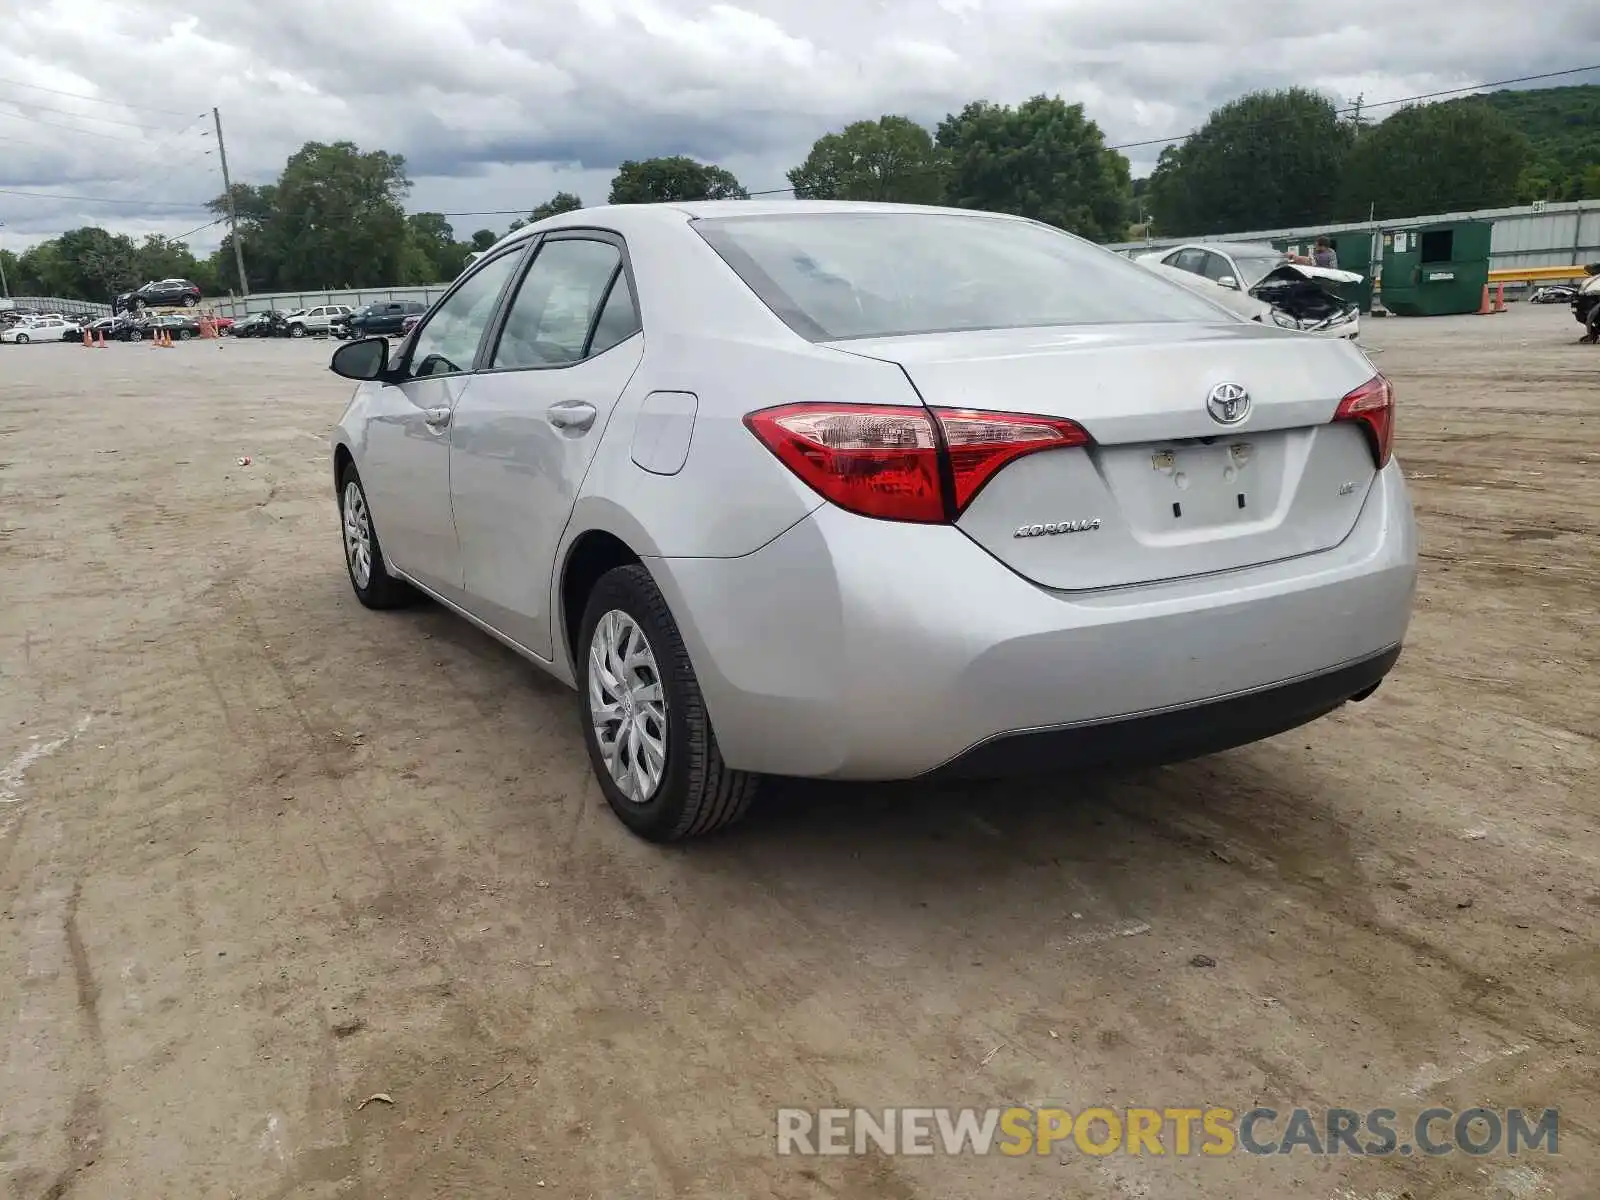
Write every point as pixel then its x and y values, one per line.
pixel 1324 254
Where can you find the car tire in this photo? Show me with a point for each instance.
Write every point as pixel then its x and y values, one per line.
pixel 297 331
pixel 694 792
pixel 190 302
pixel 22 339
pixel 370 578
pixel 134 335
pixel 184 335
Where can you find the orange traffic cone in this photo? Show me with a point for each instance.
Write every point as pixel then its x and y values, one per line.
pixel 1499 297
pixel 88 339
pixel 100 340
pixel 1483 305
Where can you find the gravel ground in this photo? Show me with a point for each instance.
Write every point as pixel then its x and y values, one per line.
pixel 265 854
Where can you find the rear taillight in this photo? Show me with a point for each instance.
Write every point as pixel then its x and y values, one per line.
pixel 903 463
pixel 1372 404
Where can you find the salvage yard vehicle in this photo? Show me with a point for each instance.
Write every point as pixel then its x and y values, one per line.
pixel 1586 304
pixel 1295 295
pixel 313 321
pixel 159 293
pixel 863 491
pixel 382 317
pixel 261 324
pixel 41 329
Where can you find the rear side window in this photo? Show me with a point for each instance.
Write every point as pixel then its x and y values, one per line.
pixel 549 322
pixel 845 275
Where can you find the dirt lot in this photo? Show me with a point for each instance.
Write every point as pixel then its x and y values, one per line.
pixel 264 854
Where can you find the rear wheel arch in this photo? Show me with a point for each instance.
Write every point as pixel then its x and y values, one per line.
pixel 591 555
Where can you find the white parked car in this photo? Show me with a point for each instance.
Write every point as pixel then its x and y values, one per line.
pixel 875 492
pixel 1263 284
pixel 40 329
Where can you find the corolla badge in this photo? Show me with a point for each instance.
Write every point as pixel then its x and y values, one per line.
pixel 1228 403
pixel 1053 528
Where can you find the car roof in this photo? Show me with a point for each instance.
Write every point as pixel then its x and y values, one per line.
pixel 626 218
pixel 1248 249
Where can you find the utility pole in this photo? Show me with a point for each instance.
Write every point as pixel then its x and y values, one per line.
pixel 233 216
pixel 5 288
pixel 1355 111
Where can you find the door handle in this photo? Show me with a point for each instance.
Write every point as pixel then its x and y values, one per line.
pixel 572 415
pixel 437 418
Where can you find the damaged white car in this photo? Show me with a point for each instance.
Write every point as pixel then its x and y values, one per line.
pixel 1263 284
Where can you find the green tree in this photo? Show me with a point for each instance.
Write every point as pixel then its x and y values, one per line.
pixel 483 239
pixel 1434 158
pixel 1042 159
pixel 661 180
pixel 1264 161
pixel 438 256
pixel 335 218
pixel 890 159
pixel 561 202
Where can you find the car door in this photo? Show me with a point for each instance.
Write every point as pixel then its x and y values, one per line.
pixel 406 460
pixel 524 435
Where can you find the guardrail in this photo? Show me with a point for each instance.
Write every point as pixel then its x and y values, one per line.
pixel 1537 274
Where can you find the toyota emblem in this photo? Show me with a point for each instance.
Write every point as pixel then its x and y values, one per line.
pixel 1228 404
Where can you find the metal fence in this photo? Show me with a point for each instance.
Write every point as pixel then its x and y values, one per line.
pixel 289 301
pixel 1535 235
pixel 54 304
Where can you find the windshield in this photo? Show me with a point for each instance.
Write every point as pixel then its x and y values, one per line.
pixel 1256 267
pixel 853 274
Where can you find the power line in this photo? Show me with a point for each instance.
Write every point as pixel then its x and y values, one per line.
pixel 185 207
pixel 1362 106
pixel 197 229
pixel 67 112
pixel 92 99
pixel 78 129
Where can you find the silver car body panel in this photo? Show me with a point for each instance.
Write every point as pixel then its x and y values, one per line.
pixel 831 644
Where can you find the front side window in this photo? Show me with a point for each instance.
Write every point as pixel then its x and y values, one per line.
pixel 448 342
pixel 847 275
pixel 550 320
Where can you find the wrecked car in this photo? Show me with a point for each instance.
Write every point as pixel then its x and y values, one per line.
pixel 1263 284
pixel 1586 304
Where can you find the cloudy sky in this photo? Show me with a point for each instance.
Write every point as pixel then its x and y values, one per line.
pixel 105 104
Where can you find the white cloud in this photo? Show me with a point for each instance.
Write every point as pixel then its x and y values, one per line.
pixel 498 103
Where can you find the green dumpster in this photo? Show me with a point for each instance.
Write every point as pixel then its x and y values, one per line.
pixel 1436 270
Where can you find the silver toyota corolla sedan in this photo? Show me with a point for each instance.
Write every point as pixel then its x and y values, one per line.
pixel 876 492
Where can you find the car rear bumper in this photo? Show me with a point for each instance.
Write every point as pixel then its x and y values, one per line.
pixel 1175 734
pixel 857 649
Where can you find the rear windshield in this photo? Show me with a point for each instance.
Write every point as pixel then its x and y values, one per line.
pixel 848 275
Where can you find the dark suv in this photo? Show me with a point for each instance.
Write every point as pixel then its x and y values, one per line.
pixel 159 293
pixel 386 317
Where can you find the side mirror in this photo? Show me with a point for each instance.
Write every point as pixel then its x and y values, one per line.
pixel 364 360
pixel 1228 281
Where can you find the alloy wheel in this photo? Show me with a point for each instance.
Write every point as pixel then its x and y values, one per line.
pixel 357 534
pixel 627 706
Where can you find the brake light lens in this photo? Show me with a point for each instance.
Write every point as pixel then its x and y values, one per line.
pixel 903 463
pixel 980 443
pixel 1372 404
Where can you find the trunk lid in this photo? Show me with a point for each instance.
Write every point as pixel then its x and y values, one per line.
pixel 1166 490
